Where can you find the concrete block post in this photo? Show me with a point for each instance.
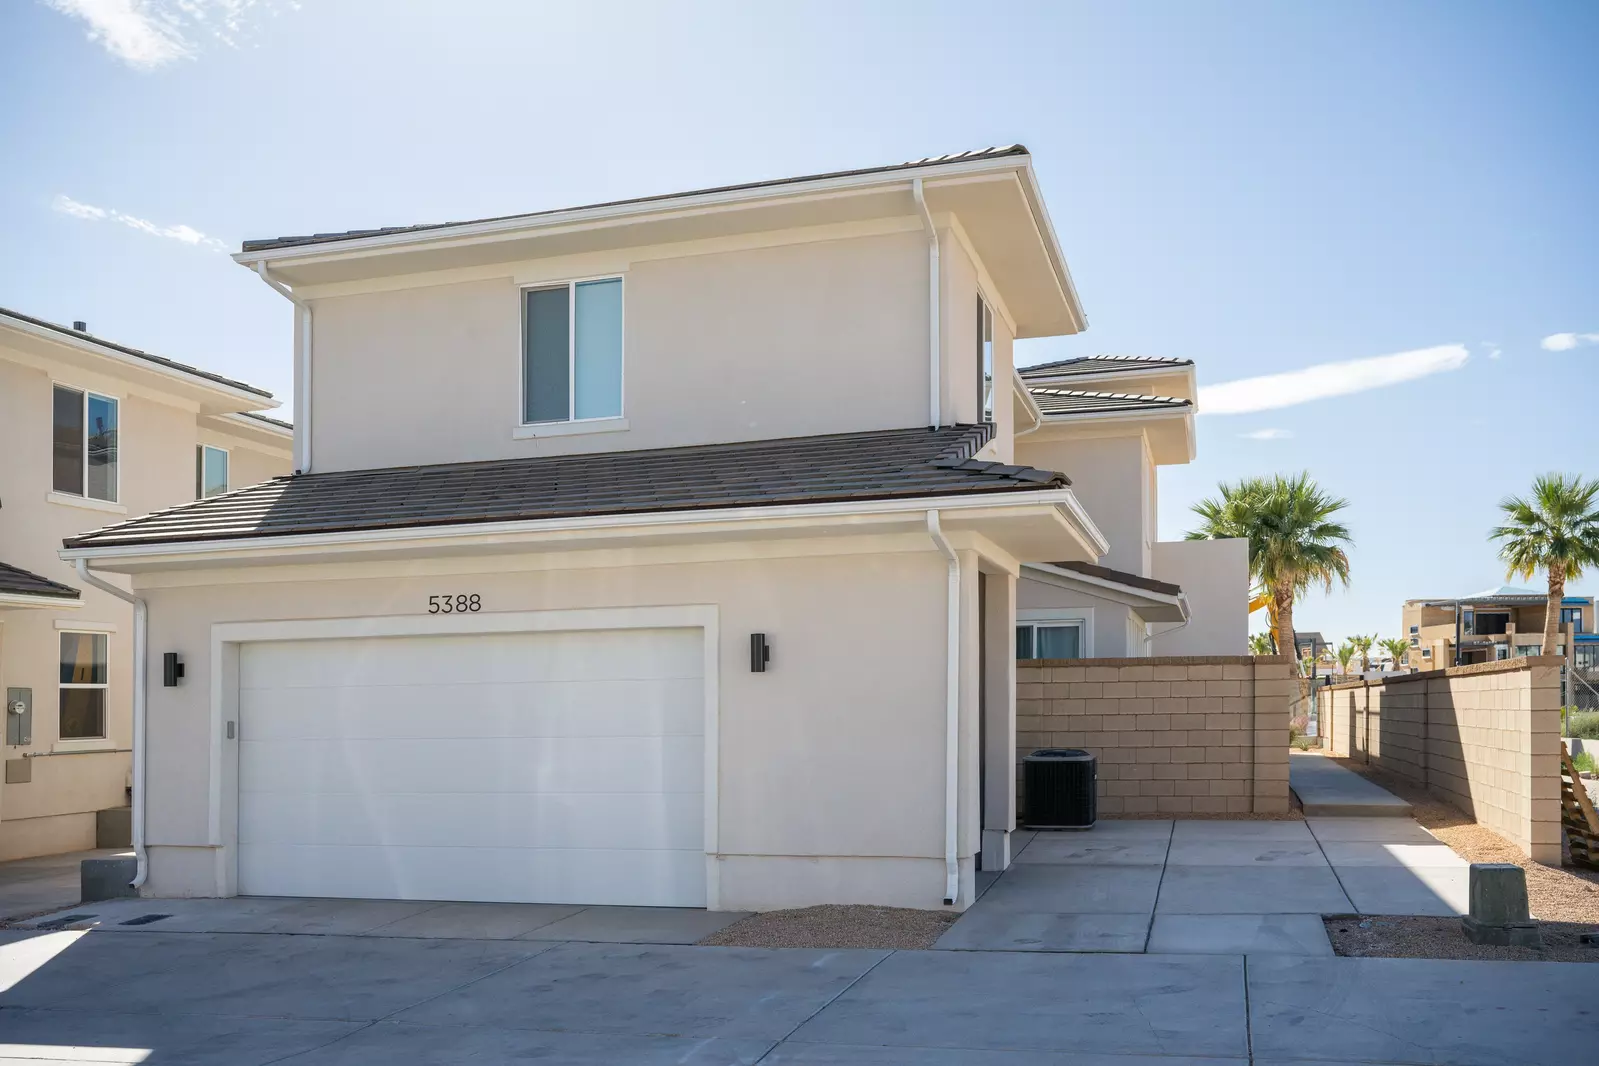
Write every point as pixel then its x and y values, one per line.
pixel 1499 912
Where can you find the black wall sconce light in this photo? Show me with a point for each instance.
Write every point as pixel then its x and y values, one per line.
pixel 760 653
pixel 171 669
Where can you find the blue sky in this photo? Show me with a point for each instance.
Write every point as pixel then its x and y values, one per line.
pixel 1262 187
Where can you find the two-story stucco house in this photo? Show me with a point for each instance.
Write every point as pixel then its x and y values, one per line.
pixel 90 432
pixel 661 552
pixel 1110 422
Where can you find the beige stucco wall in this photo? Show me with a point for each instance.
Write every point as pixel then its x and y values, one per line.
pixel 1110 476
pixel 789 340
pixel 55 811
pixel 1181 735
pixel 1486 738
pixel 831 777
pixel 1110 622
pixel 1214 575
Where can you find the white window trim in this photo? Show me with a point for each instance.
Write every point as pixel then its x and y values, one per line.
pixel 227 466
pixel 226 637
pixel 570 425
pixel 83 499
pixel 1083 617
pixel 83 743
pixel 75 626
pixel 986 393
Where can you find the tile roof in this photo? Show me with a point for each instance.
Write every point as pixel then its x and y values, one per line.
pixel 347 235
pixel 18 582
pixel 1101 364
pixel 877 465
pixel 1052 401
pixel 1122 577
pixel 159 360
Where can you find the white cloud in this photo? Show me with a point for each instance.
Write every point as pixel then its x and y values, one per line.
pixel 1564 342
pixel 1268 434
pixel 66 205
pixel 146 34
pixel 1271 391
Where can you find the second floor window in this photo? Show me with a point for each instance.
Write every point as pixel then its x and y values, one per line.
pixel 985 359
pixel 84 444
pixel 572 352
pixel 1571 616
pixel 210 471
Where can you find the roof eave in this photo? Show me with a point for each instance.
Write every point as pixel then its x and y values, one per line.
pixel 10 600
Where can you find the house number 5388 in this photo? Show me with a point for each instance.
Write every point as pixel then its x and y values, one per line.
pixel 460 603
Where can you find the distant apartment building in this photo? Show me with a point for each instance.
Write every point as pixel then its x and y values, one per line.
pixel 1497 623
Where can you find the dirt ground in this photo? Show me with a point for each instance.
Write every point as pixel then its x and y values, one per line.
pixel 836 926
pixel 1414 937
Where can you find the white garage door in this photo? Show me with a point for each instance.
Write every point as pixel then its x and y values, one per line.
pixel 529 767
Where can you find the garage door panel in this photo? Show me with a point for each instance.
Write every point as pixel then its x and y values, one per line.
pixel 639 765
pixel 614 878
pixel 574 821
pixel 554 767
pixel 491 709
pixel 619 654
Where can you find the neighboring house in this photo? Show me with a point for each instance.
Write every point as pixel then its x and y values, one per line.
pixel 1497 623
pixel 659 552
pixel 92 432
pixel 1310 644
pixel 1111 422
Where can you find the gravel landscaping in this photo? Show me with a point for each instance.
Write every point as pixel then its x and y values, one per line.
pixel 1413 937
pixel 836 926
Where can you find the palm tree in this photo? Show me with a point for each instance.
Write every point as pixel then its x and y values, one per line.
pixel 1556 529
pixel 1345 655
pixel 1363 648
pixel 1260 644
pixel 1396 647
pixel 1293 540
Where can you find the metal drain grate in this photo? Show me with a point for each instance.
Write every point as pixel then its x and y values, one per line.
pixel 64 921
pixel 145 919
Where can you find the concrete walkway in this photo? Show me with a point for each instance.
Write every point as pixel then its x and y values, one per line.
pixel 1209 887
pixel 46 883
pixel 249 999
pixel 1328 790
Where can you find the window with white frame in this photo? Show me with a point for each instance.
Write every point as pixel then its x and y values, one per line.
pixel 83 685
pixel 1049 640
pixel 985 359
pixel 84 444
pixel 210 471
pixel 572 351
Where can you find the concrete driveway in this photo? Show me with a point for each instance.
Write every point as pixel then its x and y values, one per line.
pixel 1229 887
pixel 46 883
pixel 126 995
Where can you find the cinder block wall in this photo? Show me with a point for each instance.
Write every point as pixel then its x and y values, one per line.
pixel 1179 735
pixel 1485 738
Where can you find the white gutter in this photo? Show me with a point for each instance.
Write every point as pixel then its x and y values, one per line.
pixel 302 367
pixel 1062 499
pixel 952 879
pixel 935 388
pixel 141 673
pixel 23 599
pixel 1019 387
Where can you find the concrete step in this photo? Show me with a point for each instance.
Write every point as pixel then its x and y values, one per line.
pixel 1327 790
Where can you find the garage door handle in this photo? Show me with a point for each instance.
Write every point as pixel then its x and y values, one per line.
pixel 230 730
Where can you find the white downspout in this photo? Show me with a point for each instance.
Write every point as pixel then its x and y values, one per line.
pixel 935 408
pixel 141 671
pixel 952 708
pixel 302 366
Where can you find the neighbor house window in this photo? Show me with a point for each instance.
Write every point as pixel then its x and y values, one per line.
pixel 83 684
pixel 84 444
pixel 985 359
pixel 1571 616
pixel 572 352
pixel 210 471
pixel 1049 640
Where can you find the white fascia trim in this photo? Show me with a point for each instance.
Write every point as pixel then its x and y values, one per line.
pixel 22 599
pixel 595 217
pixel 1055 418
pixel 256 424
pixel 248 401
pixel 1120 593
pixel 1019 387
pixel 1062 499
pixel 1046 233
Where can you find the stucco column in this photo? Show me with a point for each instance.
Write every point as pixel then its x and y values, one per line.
pixel 999 781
